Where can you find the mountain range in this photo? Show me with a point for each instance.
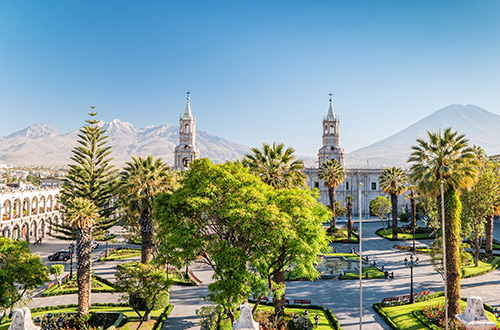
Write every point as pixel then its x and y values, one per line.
pixel 480 126
pixel 41 144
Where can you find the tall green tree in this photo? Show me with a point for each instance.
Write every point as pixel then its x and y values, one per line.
pixel 412 195
pixel 380 207
pixel 91 176
pixel 244 229
pixel 276 166
pixel 81 214
pixel 349 207
pixel 142 180
pixel 333 175
pixel 393 181
pixel 495 210
pixel 20 273
pixel 446 157
pixel 478 203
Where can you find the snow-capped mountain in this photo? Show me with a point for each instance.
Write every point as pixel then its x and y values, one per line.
pixel 480 126
pixel 42 145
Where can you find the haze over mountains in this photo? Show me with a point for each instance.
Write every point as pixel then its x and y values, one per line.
pixel 480 126
pixel 42 145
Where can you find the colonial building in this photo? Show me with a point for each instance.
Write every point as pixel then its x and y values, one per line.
pixel 369 178
pixel 186 151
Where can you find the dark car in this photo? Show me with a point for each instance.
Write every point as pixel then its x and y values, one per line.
pixel 94 245
pixel 60 255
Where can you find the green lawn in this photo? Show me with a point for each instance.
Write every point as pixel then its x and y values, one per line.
pixel 120 254
pixel 340 236
pixel 372 273
pixel 70 287
pixel 403 317
pixel 131 317
pixel 324 323
pixel 176 276
pixel 482 268
pixel 345 255
pixel 388 235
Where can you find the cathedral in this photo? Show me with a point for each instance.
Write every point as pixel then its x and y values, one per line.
pixel 187 151
pixel 369 178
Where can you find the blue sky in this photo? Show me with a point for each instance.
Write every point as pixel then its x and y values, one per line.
pixel 258 70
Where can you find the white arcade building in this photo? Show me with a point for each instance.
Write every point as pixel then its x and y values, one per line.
pixel 28 214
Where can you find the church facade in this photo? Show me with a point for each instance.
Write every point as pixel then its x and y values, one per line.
pixel 330 149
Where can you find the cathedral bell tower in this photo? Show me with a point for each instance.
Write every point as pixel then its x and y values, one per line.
pixel 331 144
pixel 186 151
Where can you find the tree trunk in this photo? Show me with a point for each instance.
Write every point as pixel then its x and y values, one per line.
pixel 146 223
pixel 83 254
pixel 279 302
pixel 488 227
pixel 331 195
pixel 452 229
pixel 413 212
pixel 394 202
pixel 349 220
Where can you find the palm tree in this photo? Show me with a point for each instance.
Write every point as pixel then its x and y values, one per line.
pixel 393 182
pixel 348 199
pixel 142 181
pixel 412 195
pixel 81 214
pixel 447 158
pixel 333 174
pixel 276 166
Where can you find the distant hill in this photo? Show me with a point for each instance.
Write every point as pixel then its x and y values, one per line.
pixel 40 144
pixel 479 125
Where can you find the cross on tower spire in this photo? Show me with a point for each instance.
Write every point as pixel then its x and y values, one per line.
pixel 330 94
pixel 188 93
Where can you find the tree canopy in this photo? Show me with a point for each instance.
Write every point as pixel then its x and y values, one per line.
pixel 243 228
pixel 20 273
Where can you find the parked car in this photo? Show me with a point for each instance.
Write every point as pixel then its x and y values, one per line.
pixel 95 245
pixel 60 255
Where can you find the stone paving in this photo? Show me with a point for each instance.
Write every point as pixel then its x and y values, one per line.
pixel 341 296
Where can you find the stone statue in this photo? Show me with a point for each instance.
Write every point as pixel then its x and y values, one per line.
pixel 474 317
pixel 21 320
pixel 246 322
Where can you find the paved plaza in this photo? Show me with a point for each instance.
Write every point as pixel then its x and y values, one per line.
pixel 342 297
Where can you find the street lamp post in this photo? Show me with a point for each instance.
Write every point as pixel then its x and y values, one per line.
pixel 71 249
pixel 412 263
pixel 107 239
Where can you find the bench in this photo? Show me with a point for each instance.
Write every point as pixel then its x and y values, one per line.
pixel 194 277
pixel 302 301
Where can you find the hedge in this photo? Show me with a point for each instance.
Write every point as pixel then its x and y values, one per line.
pixel 75 290
pixel 382 314
pixel 333 319
pixel 163 317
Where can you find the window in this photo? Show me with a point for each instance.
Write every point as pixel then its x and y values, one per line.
pixel 316 184
pixel 374 186
pixel 347 185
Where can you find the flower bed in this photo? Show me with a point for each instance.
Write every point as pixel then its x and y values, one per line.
pixel 98 284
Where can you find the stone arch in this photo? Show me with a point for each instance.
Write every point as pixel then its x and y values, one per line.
pixel 34 205
pixel 50 202
pixel 16 232
pixel 7 206
pixel 41 229
pixel 41 205
pixel 26 207
pixel 34 229
pixel 24 231
pixel 6 232
pixel 16 208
